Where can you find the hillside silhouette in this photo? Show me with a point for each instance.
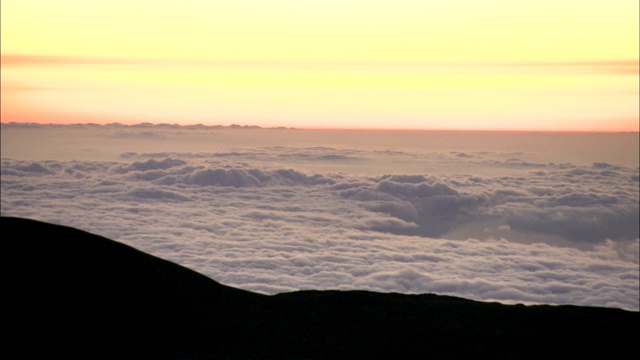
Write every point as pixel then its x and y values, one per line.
pixel 78 295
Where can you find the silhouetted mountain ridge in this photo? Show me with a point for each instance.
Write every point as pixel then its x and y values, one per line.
pixel 78 295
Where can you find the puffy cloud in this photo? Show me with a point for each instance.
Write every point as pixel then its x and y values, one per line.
pixel 419 205
pixel 589 225
pixel 34 168
pixel 223 177
pixel 149 165
pixel 30 169
pixel 156 194
pixel 604 165
pixel 253 178
pixel 547 204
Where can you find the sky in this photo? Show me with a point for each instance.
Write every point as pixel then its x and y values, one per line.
pixel 514 217
pixel 455 65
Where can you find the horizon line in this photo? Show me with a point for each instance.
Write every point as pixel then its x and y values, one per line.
pixel 306 128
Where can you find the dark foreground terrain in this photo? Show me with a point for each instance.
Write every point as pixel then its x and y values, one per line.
pixel 71 294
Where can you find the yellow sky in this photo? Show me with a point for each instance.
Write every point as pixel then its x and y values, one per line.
pixel 458 64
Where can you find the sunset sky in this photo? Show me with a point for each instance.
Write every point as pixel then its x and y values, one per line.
pixel 406 64
pixel 539 206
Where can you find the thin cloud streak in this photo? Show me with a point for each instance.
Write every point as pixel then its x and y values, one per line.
pixel 629 67
pixel 15 60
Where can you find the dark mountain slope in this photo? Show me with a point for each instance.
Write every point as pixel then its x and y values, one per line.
pixel 72 290
pixel 77 295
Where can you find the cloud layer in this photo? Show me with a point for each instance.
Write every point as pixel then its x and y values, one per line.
pixel 257 218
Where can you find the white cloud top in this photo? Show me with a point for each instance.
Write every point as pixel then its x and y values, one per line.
pixel 259 218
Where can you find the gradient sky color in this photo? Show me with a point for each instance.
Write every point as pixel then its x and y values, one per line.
pixel 462 64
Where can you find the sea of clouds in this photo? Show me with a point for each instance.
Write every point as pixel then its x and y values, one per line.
pixel 483 224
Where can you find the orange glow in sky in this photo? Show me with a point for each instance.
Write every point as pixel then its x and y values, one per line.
pixel 462 64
